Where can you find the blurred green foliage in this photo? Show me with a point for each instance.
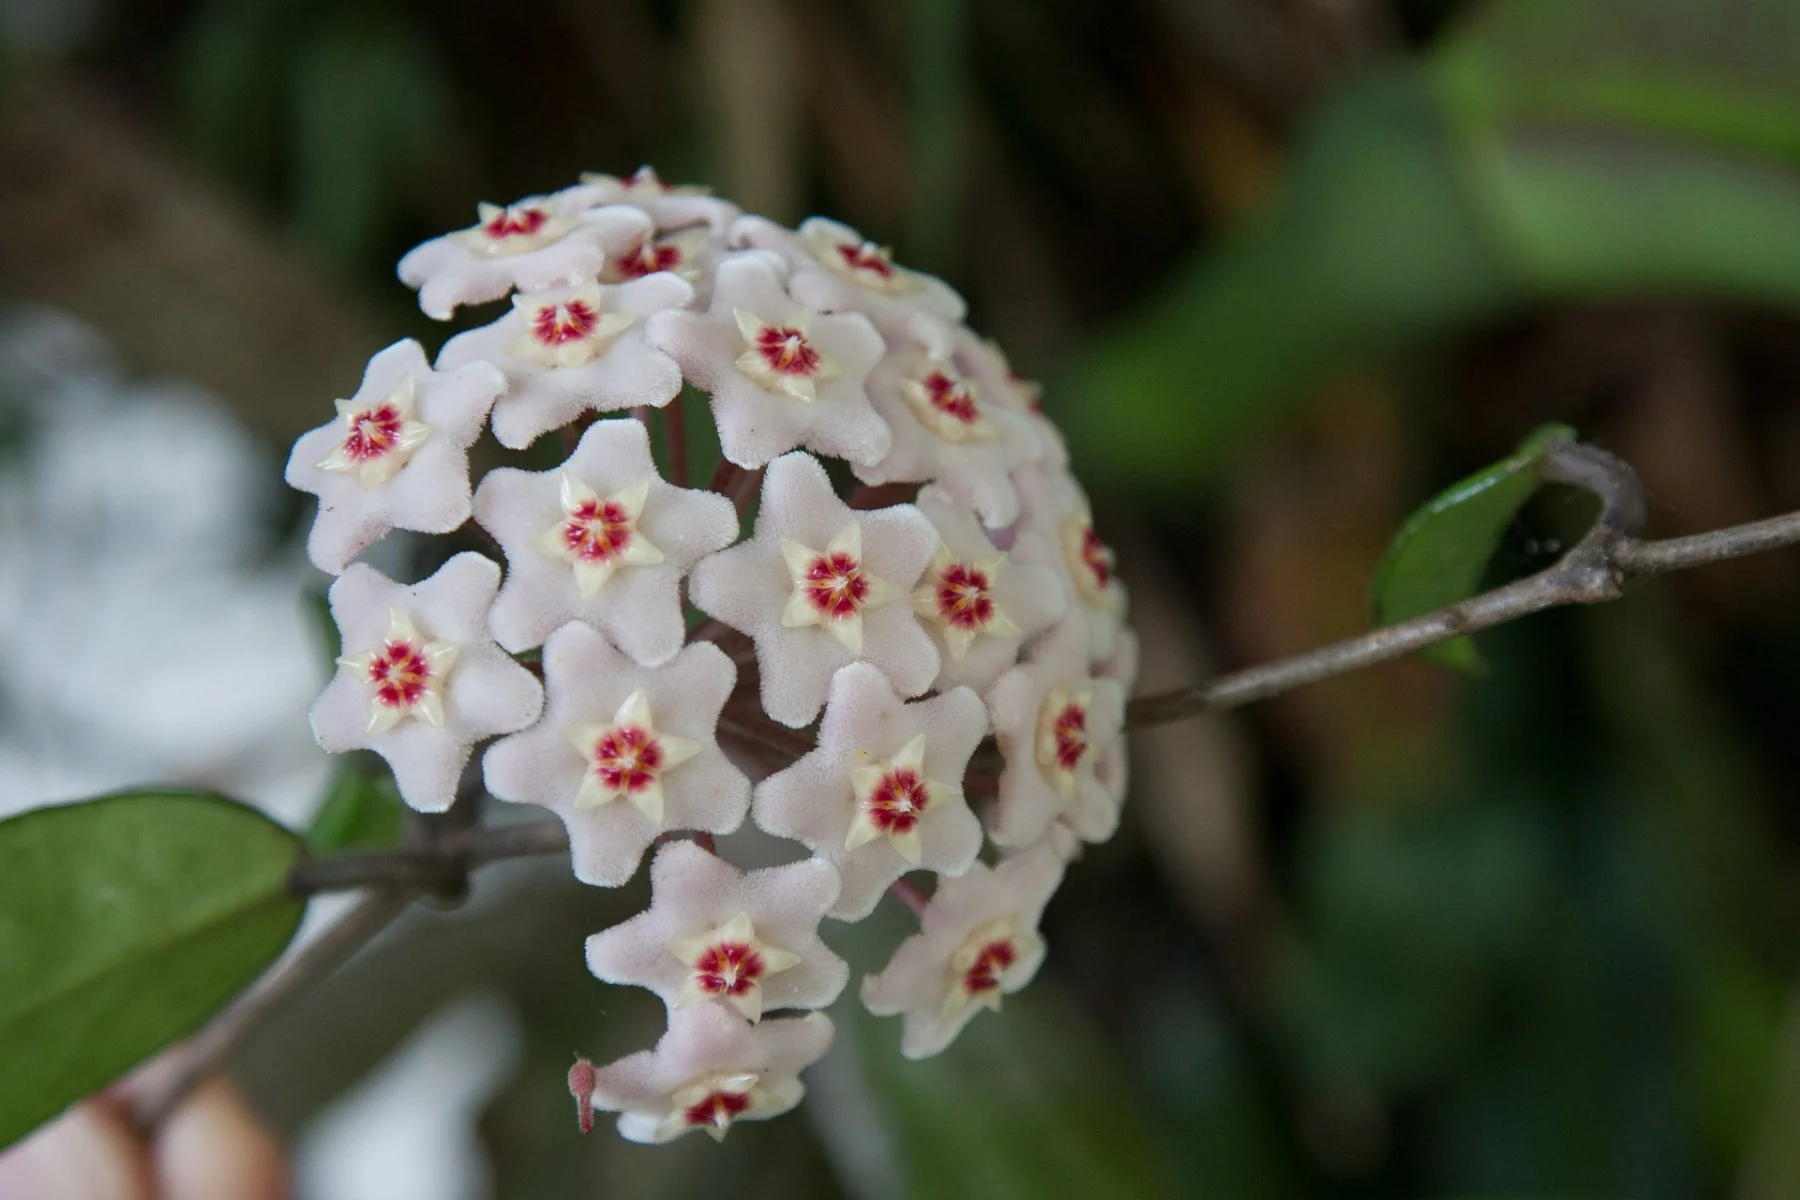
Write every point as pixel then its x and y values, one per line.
pixel 1549 150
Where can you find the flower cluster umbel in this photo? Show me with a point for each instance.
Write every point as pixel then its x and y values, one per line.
pixel 911 655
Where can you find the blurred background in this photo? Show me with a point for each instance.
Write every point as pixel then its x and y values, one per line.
pixel 1288 268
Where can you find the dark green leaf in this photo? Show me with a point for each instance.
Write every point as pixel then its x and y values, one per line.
pixel 124 923
pixel 1439 555
pixel 362 810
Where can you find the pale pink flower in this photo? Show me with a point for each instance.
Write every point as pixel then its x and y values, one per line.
pixel 946 429
pixel 977 941
pixel 1053 721
pixel 1122 664
pixel 603 540
pixel 709 1071
pixel 623 752
pixel 1054 508
pixel 821 585
pixel 671 206
pixel 882 795
pixel 538 242
pixel 714 933
pixel 420 682
pixel 978 602
pixel 983 358
pixel 781 374
pixel 567 351
pixel 836 269
pixel 397 457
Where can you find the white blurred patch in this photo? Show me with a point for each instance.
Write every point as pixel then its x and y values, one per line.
pixel 145 637
pixel 407 1132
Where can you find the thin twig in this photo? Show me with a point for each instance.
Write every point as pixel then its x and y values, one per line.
pixel 427 868
pixel 166 1086
pixel 1594 570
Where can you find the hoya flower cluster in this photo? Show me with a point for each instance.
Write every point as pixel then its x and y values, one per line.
pixel 913 665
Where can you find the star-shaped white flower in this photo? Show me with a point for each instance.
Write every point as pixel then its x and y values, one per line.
pixel 985 360
pixel 977 601
pixel 396 457
pixel 832 588
pixel 627 758
pixel 780 375
pixel 977 941
pixel 672 206
pixel 782 356
pixel 882 794
pixel 836 269
pixel 598 535
pixel 602 540
pixel 568 351
pixel 752 588
pixel 691 254
pixel 947 430
pixel 717 934
pixel 379 436
pixel 420 682
pixel 1055 512
pixel 595 690
pixel 406 674
pixel 1053 721
pixel 709 1071
pixel 538 242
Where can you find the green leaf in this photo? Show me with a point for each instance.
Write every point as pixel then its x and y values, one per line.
pixel 362 810
pixel 125 922
pixel 1440 554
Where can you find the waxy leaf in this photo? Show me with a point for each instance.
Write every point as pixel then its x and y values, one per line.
pixel 361 811
pixel 125 922
pixel 1440 554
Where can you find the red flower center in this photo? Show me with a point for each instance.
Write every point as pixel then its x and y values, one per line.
pixel 898 801
pixel 1096 556
pixel 570 321
pixel 373 432
pixel 983 974
pixel 647 258
pixel 963 599
pixel 786 350
pixel 1070 731
pixel 865 257
pixel 952 397
pixel 597 531
pixel 509 222
pixel 400 674
pixel 716 1108
pixel 627 758
pixel 728 969
pixel 836 585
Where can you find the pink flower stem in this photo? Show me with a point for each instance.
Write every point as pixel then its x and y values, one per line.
pixel 675 434
pixel 737 484
pixel 882 495
pixel 909 894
